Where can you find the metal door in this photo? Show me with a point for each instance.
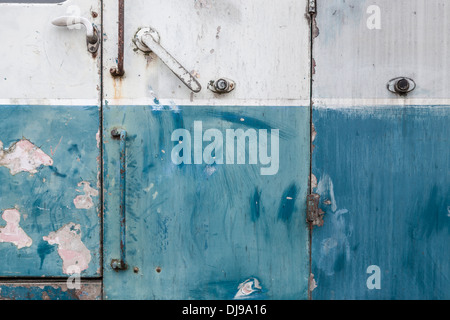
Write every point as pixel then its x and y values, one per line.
pixel 206 165
pixel 381 149
pixel 49 149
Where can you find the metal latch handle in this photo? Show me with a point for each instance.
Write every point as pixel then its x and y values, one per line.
pixel 120 264
pixel 92 37
pixel 147 40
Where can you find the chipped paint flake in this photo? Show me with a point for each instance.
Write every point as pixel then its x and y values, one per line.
pixel 23 156
pixel 12 233
pixel 71 249
pixel 85 201
pixel 247 288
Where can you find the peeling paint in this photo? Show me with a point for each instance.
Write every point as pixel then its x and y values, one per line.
pixel 85 201
pixel 23 156
pixel 71 249
pixel 247 288
pixel 313 182
pixel 12 233
pixel 312 283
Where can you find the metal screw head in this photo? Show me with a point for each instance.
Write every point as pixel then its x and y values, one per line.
pixel 402 85
pixel 221 85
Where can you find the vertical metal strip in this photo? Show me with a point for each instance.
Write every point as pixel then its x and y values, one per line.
pixel 119 70
pixel 121 263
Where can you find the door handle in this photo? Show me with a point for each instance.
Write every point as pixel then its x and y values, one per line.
pixel 147 40
pixel 92 38
pixel 120 264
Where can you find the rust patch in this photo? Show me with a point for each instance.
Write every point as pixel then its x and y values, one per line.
pixel 117 83
pixel 315 214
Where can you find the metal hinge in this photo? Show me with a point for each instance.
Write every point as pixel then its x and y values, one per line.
pixel 312 7
pixel 314 214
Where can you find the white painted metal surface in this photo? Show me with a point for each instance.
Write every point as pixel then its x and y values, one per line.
pixel 41 61
pixel 213 39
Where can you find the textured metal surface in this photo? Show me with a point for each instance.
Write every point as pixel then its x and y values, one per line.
pixel 41 62
pixel 380 160
pixel 383 179
pixel 53 195
pixel 49 291
pixel 354 61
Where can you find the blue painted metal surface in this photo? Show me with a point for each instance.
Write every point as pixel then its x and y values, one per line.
pixel 49 291
pixel 46 199
pixel 383 179
pixel 206 231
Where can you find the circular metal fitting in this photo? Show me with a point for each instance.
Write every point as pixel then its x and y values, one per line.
pixel 401 85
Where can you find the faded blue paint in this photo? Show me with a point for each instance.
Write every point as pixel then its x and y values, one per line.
pixel 45 199
pixel 208 228
pixel 383 176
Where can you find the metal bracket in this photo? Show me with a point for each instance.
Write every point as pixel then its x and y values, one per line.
pixel 222 85
pixel 314 214
pixel 312 7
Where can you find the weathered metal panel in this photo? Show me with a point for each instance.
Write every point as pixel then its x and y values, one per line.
pixel 198 231
pixel 262 45
pixel 49 195
pixel 381 159
pixel 49 291
pixel 383 180
pixel 41 61
pixel 362 44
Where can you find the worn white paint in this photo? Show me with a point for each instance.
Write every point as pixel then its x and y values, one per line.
pixel 243 41
pixel 41 61
pixel 248 287
pixel 85 201
pixel 23 156
pixel 12 232
pixel 71 249
pixel 356 62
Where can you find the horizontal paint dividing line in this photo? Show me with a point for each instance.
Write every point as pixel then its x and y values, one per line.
pixel 364 103
pixel 50 102
pixel 215 102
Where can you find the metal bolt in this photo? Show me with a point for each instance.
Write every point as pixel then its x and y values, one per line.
pixel 221 85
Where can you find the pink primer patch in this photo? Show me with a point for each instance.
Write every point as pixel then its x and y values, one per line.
pixel 24 156
pixel 71 249
pixel 85 201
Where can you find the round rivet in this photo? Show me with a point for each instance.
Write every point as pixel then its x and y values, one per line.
pixel 402 85
pixel 221 85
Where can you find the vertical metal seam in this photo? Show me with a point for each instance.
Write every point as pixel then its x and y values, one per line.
pixel 311 61
pixel 102 207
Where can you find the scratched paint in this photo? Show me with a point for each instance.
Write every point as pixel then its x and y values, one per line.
pixel 384 183
pixel 85 201
pixel 71 249
pixel 49 291
pixel 248 289
pixel 12 232
pixel 206 230
pixel 23 156
pixel 45 198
